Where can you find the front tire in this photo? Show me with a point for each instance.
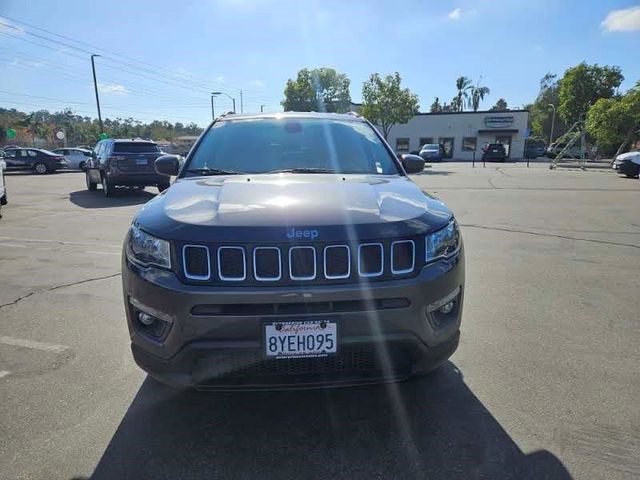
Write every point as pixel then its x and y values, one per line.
pixel 40 168
pixel 90 184
pixel 107 188
pixel 83 166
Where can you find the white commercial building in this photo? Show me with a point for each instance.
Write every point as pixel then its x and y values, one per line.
pixel 462 134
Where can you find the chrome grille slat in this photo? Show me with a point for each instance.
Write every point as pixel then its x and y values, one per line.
pixel 400 271
pixel 321 263
pixel 191 276
pixel 291 265
pixel 326 267
pixel 380 248
pixel 264 278
pixel 220 263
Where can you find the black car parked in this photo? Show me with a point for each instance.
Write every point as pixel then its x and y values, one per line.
pixel 127 163
pixel 36 159
pixel 494 151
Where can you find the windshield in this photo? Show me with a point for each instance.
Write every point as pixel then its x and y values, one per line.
pixel 431 146
pixel 265 145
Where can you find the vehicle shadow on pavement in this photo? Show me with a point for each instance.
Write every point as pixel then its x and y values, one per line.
pixel 434 172
pixel 432 427
pixel 123 198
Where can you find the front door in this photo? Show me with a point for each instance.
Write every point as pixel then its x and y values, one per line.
pixel 447 146
pixel 506 141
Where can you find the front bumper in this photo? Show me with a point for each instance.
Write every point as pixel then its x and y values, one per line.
pixel 213 351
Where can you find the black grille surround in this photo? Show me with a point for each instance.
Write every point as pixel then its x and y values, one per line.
pixel 317 263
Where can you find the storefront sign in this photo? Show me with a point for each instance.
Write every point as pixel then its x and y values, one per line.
pixel 498 122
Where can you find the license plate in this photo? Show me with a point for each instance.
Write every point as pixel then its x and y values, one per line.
pixel 141 161
pixel 313 338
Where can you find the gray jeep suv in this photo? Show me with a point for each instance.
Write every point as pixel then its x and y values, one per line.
pixel 292 251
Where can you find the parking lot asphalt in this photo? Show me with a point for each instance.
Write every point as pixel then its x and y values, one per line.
pixel 544 385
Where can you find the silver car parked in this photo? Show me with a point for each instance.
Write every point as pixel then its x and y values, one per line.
pixel 75 157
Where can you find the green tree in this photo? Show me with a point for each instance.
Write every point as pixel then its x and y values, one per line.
pixel 385 102
pixel 614 122
pixel 320 90
pixel 540 112
pixel 476 95
pixel 463 84
pixel 500 106
pixel 582 85
pixel 435 106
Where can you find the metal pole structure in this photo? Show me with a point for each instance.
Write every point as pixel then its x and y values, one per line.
pixel 241 103
pixel 228 96
pixel 95 86
pixel 553 123
pixel 262 108
pixel 213 113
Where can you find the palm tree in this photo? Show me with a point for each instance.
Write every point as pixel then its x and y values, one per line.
pixel 463 84
pixel 477 95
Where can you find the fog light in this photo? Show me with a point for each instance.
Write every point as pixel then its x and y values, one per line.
pixel 446 308
pixel 145 318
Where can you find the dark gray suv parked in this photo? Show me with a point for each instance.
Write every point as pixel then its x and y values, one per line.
pixel 292 251
pixel 126 162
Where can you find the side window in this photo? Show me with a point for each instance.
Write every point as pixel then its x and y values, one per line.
pixel 402 145
pixel 32 153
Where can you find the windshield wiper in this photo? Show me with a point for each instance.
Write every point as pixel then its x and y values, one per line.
pixel 212 171
pixel 304 170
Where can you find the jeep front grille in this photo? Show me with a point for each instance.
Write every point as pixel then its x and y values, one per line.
pixel 295 264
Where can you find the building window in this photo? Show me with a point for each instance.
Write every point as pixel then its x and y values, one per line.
pixel 447 146
pixel 402 145
pixel 425 141
pixel 469 144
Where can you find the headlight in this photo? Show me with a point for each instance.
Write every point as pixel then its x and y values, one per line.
pixel 443 243
pixel 146 249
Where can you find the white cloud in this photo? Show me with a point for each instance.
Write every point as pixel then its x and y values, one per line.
pixel 625 20
pixel 112 88
pixel 458 13
pixel 10 28
pixel 455 14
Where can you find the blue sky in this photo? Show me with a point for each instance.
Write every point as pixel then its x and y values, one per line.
pixel 256 45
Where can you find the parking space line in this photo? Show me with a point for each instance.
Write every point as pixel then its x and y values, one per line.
pixel 43 346
pixel 4 373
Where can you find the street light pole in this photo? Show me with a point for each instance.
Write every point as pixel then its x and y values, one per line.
pixel 553 122
pixel 215 94
pixel 95 86
pixel 262 108
pixel 213 113
pixel 241 103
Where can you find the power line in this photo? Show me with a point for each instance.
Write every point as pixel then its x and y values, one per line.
pixel 182 77
pixel 162 70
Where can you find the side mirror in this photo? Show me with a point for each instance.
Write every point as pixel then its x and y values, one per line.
pixel 168 165
pixel 412 163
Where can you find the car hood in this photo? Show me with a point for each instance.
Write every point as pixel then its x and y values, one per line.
pixel 631 156
pixel 369 205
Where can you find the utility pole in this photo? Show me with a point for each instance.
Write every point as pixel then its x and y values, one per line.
pixel 215 94
pixel 241 104
pixel 213 113
pixel 262 108
pixel 95 86
pixel 553 122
